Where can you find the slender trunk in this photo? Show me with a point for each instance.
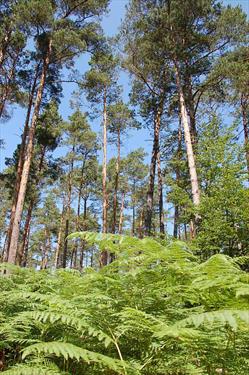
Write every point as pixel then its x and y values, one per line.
pixel 190 153
pixel 105 198
pixel 133 209
pixel 27 163
pixel 160 193
pixel 177 172
pixel 185 232
pixel 104 253
pixel 133 227
pixel 65 249
pixel 115 202
pixel 60 236
pixel 83 243
pixel 68 210
pixel 121 217
pixel 140 227
pixel 23 248
pixel 191 108
pixel 192 230
pixel 245 115
pixel 82 255
pixel 47 245
pixel 20 163
pixel 176 218
pixel 26 249
pixel 85 212
pixel 155 150
pixel 22 251
pixel 75 249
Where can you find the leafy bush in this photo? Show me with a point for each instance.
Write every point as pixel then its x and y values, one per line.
pixel 155 310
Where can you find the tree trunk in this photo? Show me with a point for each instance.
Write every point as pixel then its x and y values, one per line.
pixel 121 217
pixel 27 162
pixel 46 249
pixel 133 227
pixel 155 150
pixel 160 195
pixel 75 250
pixel 105 198
pixel 190 153
pixel 176 218
pixel 60 236
pixel 104 253
pixel 82 255
pixel 245 115
pixel 177 172
pixel 65 249
pixel 115 201
pixel 20 163
pixel 140 227
pixel 68 210
pixel 23 249
pixel 191 107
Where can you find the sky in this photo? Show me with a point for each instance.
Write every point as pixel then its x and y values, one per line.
pixel 11 130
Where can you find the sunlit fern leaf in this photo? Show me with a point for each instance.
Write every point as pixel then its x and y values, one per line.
pixel 231 317
pixel 68 350
pixel 78 323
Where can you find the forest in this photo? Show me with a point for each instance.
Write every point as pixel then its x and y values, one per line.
pixel 124 184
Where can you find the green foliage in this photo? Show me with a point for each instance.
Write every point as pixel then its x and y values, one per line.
pixel 223 209
pixel 154 310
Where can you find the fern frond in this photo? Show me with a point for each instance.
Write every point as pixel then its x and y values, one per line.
pixel 231 317
pixel 68 350
pixel 78 323
pixel 33 370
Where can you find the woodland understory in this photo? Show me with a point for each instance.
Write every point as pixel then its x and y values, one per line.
pixel 124 211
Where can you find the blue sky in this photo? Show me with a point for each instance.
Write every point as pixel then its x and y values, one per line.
pixel 10 131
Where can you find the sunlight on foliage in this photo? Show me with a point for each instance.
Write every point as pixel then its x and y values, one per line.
pixel 154 310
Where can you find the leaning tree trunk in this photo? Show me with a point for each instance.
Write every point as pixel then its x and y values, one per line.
pixel 23 247
pixel 189 147
pixel 20 164
pixel 115 200
pixel 104 253
pixel 27 162
pixel 245 115
pixel 160 194
pixel 155 150
pixel 191 106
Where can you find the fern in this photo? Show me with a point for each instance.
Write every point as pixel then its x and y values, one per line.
pixel 231 317
pixel 68 350
pixel 27 370
pixel 155 310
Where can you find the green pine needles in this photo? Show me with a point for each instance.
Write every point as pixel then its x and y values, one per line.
pixel 155 310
